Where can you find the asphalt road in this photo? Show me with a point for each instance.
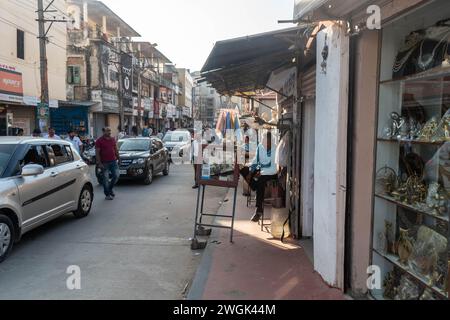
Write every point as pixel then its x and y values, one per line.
pixel 136 247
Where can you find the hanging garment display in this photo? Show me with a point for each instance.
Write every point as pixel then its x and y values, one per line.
pixel 283 151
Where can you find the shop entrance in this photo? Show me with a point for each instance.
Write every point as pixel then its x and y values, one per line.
pixel 307 174
pixel 3 125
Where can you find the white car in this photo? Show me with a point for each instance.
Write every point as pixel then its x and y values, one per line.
pixel 179 144
pixel 40 180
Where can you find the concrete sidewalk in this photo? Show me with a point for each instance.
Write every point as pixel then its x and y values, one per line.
pixel 255 266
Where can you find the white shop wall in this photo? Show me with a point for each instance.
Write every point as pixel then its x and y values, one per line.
pixel 330 156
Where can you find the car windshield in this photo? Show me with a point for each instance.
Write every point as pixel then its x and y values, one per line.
pixel 6 151
pixel 135 145
pixel 176 137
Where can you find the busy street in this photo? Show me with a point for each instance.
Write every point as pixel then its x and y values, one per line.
pixel 212 150
pixel 137 247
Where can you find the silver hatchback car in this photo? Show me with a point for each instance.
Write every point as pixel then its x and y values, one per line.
pixel 40 180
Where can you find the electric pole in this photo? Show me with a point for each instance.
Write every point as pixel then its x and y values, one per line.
pixel 121 106
pixel 140 74
pixel 43 111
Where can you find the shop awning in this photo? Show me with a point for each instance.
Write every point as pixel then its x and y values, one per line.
pixel 303 7
pixel 245 64
pixel 316 10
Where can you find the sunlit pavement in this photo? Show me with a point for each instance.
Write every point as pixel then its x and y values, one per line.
pixel 136 247
pixel 256 266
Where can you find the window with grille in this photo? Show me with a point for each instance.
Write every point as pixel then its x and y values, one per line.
pixel 73 75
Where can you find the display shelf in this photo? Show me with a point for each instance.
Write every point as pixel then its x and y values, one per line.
pixel 413 208
pixel 440 143
pixel 438 71
pixel 395 261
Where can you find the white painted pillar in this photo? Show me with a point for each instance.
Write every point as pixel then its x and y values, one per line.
pixel 104 27
pixel 331 156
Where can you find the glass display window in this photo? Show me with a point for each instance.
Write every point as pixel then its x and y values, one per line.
pixel 410 242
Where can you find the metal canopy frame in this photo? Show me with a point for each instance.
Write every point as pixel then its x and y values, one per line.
pixel 245 64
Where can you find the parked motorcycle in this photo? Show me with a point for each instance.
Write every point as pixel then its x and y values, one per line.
pixel 89 155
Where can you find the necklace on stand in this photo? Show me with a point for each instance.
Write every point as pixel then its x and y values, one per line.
pixel 410 45
pixel 398 65
pixel 446 61
pixel 423 65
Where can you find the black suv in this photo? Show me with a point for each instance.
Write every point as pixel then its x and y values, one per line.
pixel 142 159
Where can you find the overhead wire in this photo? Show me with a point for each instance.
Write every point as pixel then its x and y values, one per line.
pixel 30 32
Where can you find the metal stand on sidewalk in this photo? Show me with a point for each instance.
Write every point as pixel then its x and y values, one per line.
pixel 204 229
pixel 201 228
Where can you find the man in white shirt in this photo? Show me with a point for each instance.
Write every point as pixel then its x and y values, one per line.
pixel 195 154
pixel 52 134
pixel 75 141
pixel 263 169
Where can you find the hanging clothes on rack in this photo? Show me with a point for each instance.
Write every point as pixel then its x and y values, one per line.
pixel 283 151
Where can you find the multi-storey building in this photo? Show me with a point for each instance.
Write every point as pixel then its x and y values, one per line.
pixel 99 54
pixel 186 96
pixel 20 85
pixel 207 101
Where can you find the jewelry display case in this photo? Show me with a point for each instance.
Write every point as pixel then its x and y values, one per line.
pixel 410 242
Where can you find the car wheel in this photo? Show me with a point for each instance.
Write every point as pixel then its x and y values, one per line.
pixel 6 236
pixel 149 177
pixel 167 169
pixel 84 203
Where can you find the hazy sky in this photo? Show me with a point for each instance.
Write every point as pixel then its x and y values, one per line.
pixel 186 30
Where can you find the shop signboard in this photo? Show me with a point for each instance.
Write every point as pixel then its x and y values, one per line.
pixel 147 104
pixel 30 101
pixel 163 110
pixel 110 102
pixel 127 82
pixel 11 85
pixel 164 94
pixel 43 111
pixel 169 111
pixel 42 114
pixel 186 111
pixel 156 109
pixel 54 104
pixel 107 101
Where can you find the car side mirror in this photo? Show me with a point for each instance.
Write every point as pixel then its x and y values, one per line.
pixel 32 170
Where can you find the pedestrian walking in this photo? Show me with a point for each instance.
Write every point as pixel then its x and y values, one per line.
pixel 122 134
pixel 107 155
pixel 37 133
pixel 195 156
pixel 75 141
pixel 52 135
